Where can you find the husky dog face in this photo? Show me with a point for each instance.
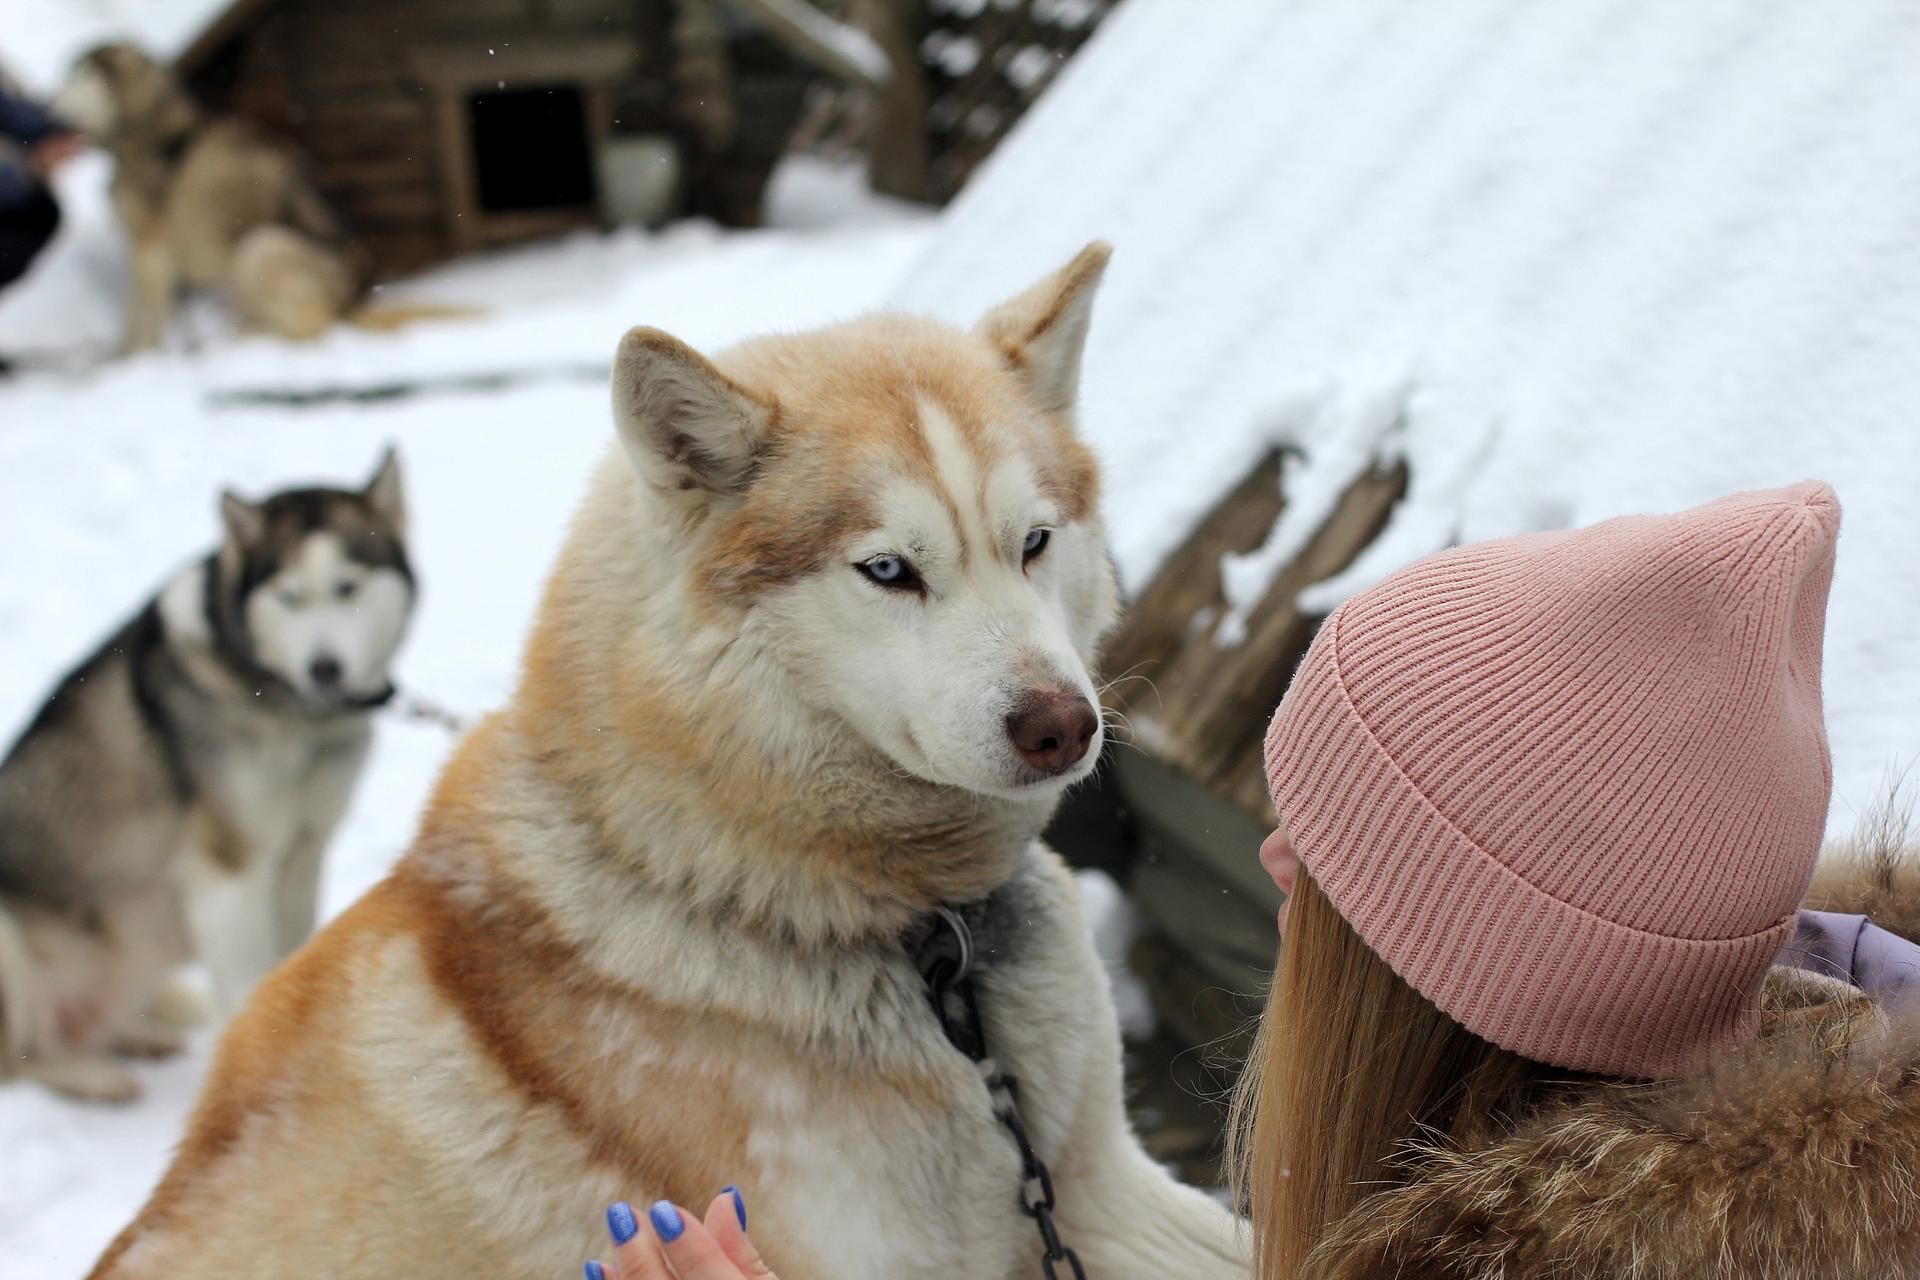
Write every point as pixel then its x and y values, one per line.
pixel 116 88
pixel 315 587
pixel 902 516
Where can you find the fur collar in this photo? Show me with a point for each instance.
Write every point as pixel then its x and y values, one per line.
pixel 1799 1156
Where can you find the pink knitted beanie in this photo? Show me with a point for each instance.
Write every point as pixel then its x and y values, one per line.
pixel 1571 785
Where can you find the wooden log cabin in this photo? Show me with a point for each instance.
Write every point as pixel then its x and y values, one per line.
pixel 441 127
pixel 438 127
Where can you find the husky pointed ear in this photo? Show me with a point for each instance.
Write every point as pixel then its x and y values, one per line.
pixel 245 521
pixel 1042 332
pixel 385 493
pixel 686 425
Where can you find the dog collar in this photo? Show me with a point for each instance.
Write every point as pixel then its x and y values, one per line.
pixel 370 701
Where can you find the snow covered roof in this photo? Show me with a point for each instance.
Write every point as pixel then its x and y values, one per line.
pixel 1570 260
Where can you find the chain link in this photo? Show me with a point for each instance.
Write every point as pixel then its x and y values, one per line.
pixel 411 706
pixel 945 960
pixel 1036 1181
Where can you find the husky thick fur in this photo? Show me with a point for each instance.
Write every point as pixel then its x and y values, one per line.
pixel 814 661
pixel 174 795
pixel 209 202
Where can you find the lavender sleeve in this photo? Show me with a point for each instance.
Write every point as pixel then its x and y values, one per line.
pixel 1854 949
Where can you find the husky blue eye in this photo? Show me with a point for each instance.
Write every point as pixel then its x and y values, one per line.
pixel 291 599
pixel 1036 542
pixel 890 571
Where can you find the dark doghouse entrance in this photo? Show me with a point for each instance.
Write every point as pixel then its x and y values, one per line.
pixel 530 149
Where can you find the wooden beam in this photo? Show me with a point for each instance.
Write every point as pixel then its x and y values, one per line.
pixel 898 155
pixel 840 50
pixel 1200 705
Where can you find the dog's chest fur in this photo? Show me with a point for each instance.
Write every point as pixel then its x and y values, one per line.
pixel 263 780
pixel 679 1054
pixel 261 773
pixel 949 1172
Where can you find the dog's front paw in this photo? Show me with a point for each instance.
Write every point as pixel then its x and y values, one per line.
pixel 150 1037
pixel 181 1006
pixel 86 1078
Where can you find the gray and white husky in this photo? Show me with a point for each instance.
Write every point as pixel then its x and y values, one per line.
pixel 174 795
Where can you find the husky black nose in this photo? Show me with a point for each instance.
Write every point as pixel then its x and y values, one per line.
pixel 324 671
pixel 1052 728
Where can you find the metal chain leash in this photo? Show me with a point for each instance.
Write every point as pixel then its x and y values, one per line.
pixel 945 961
pixel 1036 1186
pixel 412 706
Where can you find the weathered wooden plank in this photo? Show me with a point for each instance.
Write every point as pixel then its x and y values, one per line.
pixel 382 173
pixel 1278 634
pixel 411 204
pixel 376 105
pixel 391 30
pixel 1187 587
pixel 589 15
pixel 371 141
pixel 401 251
pixel 1201 705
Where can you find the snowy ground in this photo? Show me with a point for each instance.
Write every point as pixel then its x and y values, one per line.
pixel 1571 260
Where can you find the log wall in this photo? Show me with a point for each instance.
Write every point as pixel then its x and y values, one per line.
pixel 334 75
pixel 374 93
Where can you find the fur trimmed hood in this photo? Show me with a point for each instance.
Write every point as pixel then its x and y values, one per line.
pixel 1797 1156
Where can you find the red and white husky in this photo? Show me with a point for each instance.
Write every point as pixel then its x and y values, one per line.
pixel 813 662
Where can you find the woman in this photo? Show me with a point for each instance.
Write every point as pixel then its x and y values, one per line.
pixel 1546 1006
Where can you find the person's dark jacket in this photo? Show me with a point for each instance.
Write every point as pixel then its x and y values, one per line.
pixel 23 126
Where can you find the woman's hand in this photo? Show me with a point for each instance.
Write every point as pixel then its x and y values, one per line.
pixel 671 1242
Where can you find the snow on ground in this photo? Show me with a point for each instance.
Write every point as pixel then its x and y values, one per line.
pixel 1571 260
pixel 108 482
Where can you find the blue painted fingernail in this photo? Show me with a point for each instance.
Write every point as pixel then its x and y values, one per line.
pixel 620 1221
pixel 739 1205
pixel 596 1272
pixel 666 1221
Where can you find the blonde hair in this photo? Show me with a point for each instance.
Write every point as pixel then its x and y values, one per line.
pixel 1349 1064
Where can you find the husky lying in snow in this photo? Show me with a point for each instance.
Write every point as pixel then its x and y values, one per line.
pixel 209 202
pixel 175 793
pixel 812 665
